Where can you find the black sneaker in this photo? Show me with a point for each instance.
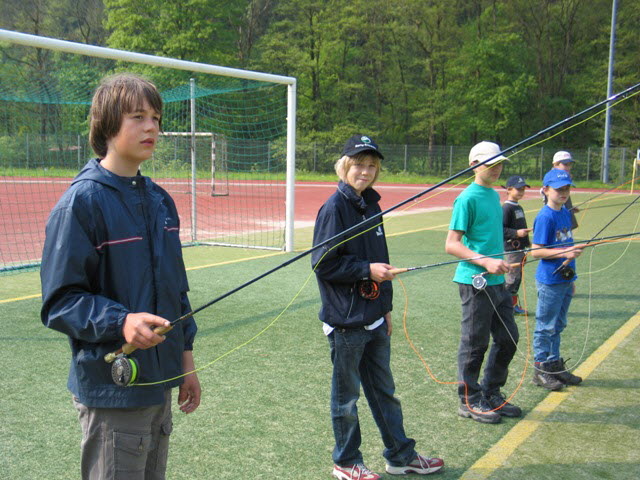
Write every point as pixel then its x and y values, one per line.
pixel 543 377
pixel 480 411
pixel 498 403
pixel 560 371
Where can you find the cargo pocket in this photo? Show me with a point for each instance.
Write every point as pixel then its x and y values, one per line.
pixel 162 448
pixel 130 453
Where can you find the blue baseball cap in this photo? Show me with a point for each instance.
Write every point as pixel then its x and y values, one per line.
pixel 556 178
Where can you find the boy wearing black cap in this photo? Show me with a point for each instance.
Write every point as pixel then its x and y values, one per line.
pixel 354 279
pixel 516 237
pixel 553 245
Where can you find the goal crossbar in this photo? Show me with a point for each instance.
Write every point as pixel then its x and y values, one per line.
pixel 124 55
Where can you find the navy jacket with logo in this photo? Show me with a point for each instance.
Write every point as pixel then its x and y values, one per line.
pixel 339 269
pixel 112 248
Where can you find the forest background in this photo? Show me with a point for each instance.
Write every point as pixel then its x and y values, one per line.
pixel 435 72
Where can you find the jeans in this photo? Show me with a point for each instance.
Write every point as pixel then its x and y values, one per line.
pixel 485 313
pixel 361 357
pixel 551 319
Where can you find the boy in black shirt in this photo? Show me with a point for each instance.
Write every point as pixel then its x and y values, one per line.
pixel 516 236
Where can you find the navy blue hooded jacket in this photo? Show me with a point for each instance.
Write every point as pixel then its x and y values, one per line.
pixel 339 269
pixel 112 248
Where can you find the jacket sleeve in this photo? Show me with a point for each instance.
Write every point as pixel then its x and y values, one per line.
pixel 333 262
pixel 189 327
pixel 69 275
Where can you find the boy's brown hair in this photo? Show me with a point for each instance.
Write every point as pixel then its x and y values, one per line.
pixel 116 96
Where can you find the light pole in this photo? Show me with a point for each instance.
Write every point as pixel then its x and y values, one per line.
pixel 607 122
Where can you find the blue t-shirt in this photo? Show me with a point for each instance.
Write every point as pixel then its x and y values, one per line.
pixel 553 227
pixel 478 213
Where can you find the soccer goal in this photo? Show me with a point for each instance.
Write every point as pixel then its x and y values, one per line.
pixel 226 154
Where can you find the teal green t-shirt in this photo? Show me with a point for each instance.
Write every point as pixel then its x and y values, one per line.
pixel 478 213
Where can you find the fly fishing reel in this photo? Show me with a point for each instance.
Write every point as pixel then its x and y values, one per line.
pixel 478 281
pixel 369 289
pixel 565 272
pixel 124 371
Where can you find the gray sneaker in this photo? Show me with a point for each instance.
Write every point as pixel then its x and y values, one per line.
pixel 480 411
pixel 543 377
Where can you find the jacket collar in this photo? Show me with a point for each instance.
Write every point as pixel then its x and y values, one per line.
pixel 369 196
pixel 94 171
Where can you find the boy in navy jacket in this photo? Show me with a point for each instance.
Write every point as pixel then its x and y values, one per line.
pixel 354 278
pixel 112 271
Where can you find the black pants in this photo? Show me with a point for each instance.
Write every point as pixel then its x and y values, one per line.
pixel 486 314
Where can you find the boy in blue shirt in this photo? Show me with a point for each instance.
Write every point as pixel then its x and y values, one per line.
pixel 553 245
pixel 475 235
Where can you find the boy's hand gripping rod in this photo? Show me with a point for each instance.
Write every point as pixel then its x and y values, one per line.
pixel 478 280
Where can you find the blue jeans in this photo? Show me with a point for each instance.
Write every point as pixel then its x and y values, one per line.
pixel 485 313
pixel 361 357
pixel 551 319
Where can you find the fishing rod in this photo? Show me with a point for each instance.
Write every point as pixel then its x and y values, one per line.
pixel 124 371
pixel 565 271
pixel 399 270
pixel 575 207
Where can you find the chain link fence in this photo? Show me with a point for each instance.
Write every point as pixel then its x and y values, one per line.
pixel 444 161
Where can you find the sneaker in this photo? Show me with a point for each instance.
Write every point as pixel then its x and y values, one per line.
pixel 354 472
pixel 498 403
pixel 518 310
pixel 480 411
pixel 543 377
pixel 420 465
pixel 560 371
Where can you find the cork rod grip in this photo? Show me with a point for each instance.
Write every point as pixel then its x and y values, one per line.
pixel 127 348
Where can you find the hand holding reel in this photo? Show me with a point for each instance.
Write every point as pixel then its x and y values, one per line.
pixel 125 369
pixel 479 281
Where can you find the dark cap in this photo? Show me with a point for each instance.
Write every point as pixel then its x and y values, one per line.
pixel 516 181
pixel 360 143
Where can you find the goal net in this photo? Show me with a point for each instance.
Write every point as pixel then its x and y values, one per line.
pixel 225 155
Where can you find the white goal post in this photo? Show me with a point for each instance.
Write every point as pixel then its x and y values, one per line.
pixel 123 55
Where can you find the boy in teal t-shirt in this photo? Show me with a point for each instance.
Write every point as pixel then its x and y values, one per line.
pixel 475 234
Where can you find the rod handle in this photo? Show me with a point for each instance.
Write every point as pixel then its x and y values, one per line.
pixel 396 271
pixel 127 348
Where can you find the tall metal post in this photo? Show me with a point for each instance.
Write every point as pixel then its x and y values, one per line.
pixel 607 124
pixel 194 223
pixel 291 167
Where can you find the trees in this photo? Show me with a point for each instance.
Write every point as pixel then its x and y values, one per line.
pixel 428 71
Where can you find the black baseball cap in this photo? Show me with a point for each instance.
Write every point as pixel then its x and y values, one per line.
pixel 360 143
pixel 516 181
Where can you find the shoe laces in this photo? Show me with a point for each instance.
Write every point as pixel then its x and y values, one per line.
pixel 425 462
pixel 498 398
pixel 361 470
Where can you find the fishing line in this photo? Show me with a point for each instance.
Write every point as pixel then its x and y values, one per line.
pixel 127 348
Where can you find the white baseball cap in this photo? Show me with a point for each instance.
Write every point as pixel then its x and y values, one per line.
pixel 484 150
pixel 562 157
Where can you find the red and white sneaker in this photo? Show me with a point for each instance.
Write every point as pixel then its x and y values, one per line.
pixel 420 465
pixel 354 472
